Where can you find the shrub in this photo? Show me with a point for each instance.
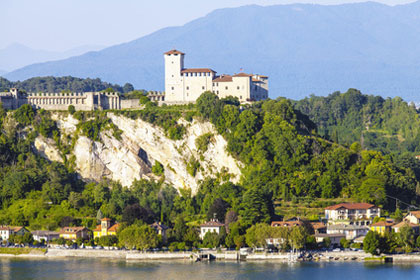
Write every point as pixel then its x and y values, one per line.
pixel 71 109
pixel 157 168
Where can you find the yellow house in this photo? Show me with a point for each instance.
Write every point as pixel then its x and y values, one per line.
pixel 105 228
pixel 382 227
pixel 72 233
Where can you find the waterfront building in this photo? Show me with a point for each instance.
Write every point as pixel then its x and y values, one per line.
pixel 105 228
pixel 45 235
pixel 350 231
pixel 160 229
pixel 185 85
pixel 352 213
pixel 319 227
pixel 397 227
pixel 7 231
pixel 334 237
pixel 382 226
pixel 73 233
pixel 211 226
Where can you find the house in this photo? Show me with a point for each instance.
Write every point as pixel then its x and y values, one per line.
pixel 397 227
pixel 7 231
pixel 105 228
pixel 160 229
pixel 319 227
pixel 211 226
pixel 413 217
pixel 45 235
pixel 288 224
pixel 334 237
pixel 352 213
pixel 350 231
pixel 73 233
pixel 382 226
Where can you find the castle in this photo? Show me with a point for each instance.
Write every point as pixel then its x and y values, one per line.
pixel 187 84
pixel 182 85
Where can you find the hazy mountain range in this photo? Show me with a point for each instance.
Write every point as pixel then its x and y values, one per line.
pixel 17 55
pixel 304 49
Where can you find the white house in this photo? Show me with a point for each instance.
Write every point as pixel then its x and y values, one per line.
pixel 211 226
pixel 46 235
pixel 183 85
pixel 352 213
pixel 7 231
pixel 413 217
pixel 350 231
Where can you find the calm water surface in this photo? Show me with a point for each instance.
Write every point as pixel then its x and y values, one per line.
pixel 70 268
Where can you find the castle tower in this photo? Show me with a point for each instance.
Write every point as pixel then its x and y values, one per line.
pixel 174 63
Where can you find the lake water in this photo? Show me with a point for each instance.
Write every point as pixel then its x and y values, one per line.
pixel 72 268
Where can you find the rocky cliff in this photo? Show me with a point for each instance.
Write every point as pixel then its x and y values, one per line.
pixel 132 156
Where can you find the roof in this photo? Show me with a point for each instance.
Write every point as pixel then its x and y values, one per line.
pixel 346 227
pixel 106 219
pixel 262 76
pixel 256 80
pixel 223 78
pixel 114 227
pixel 71 229
pixel 330 235
pixel 212 224
pixel 242 75
pixel 174 52
pixel 404 223
pixel 197 70
pixel 382 224
pixel 159 226
pixel 415 214
pixel 318 225
pixel 286 224
pixel 351 206
pixel 44 232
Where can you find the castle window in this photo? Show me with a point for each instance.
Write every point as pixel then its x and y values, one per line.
pixel 226 87
pixel 214 84
pixel 188 88
pixel 238 87
pixel 202 87
pixel 172 88
pixel 199 74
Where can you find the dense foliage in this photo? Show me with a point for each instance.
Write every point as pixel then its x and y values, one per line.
pixel 387 125
pixel 59 84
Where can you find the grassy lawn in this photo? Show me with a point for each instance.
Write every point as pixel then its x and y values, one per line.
pixel 21 251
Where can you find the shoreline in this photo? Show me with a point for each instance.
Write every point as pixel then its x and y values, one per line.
pixel 339 257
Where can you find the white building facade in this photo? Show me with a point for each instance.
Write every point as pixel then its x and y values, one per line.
pixel 185 85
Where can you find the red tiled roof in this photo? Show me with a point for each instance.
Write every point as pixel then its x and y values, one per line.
pixel 286 224
pixel 71 229
pixel 223 78
pixel 114 227
pixel 242 75
pixel 318 225
pixel 212 224
pixel 106 219
pixel 174 52
pixel 351 206
pixel 403 224
pixel 198 70
pixel 415 214
pixel 98 228
pixel 382 224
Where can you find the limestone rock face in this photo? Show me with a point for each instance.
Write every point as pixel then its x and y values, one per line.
pixel 47 149
pixel 140 146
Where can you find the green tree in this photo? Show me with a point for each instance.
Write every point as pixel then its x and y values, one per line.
pixel 139 237
pixel 71 109
pixel 406 237
pixel 157 168
pixel 372 242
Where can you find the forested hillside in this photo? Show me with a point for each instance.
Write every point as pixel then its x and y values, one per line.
pixel 58 84
pixel 283 157
pixel 386 125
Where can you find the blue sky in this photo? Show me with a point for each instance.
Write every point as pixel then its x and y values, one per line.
pixel 64 24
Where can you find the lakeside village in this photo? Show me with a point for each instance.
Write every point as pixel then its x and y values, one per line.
pixel 345 225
